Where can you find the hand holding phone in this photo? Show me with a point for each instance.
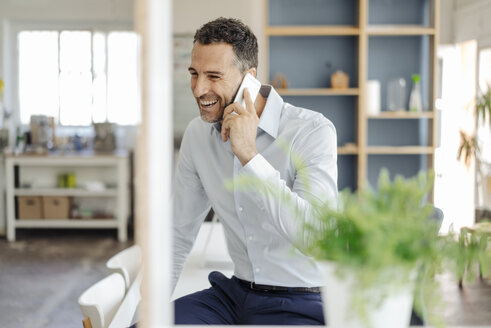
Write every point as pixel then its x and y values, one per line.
pixel 252 84
pixel 240 122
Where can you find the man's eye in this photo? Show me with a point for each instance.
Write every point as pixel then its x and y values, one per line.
pixel 214 77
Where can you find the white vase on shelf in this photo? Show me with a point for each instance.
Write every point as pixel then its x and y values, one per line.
pixel 415 100
pixel 373 97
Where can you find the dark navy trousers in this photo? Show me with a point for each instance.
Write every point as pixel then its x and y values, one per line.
pixel 229 302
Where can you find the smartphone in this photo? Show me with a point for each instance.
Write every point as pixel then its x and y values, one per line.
pixel 252 84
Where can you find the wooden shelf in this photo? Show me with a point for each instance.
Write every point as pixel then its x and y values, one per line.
pixel 67 223
pixel 400 30
pixel 319 92
pixel 65 192
pixel 347 150
pixel 401 115
pixel 399 150
pixel 312 30
pixel 386 41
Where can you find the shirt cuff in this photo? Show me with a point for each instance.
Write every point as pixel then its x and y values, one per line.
pixel 258 166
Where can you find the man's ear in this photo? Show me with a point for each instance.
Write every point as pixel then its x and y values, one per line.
pixel 252 71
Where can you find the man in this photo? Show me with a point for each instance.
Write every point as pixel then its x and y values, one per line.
pixel 273 281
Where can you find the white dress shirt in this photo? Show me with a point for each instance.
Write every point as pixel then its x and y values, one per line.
pixel 260 228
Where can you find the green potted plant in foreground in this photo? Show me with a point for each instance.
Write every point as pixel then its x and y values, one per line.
pixel 380 250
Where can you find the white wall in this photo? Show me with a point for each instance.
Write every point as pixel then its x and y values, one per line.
pixel 472 21
pixel 447 22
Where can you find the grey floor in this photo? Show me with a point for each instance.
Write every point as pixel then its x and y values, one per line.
pixel 43 273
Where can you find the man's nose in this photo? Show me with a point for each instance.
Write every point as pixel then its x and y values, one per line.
pixel 201 87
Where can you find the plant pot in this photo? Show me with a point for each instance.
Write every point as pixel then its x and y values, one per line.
pixel 393 311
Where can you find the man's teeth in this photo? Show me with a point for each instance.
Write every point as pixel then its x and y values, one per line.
pixel 208 103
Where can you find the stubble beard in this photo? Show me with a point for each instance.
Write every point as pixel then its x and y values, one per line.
pixel 217 116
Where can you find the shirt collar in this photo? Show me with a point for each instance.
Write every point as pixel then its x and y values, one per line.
pixel 270 118
pixel 269 121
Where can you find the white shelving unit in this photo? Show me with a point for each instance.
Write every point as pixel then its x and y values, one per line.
pixel 118 166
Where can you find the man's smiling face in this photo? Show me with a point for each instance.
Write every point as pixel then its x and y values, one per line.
pixel 215 78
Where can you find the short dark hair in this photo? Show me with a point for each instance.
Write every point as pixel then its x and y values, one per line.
pixel 235 33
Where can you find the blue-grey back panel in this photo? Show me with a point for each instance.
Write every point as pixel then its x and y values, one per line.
pixel 308 62
pixel 312 12
pixel 415 12
pixel 406 165
pixel 398 132
pixel 347 172
pixel 340 110
pixel 392 57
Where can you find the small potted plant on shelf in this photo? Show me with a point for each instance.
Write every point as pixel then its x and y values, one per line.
pixel 380 250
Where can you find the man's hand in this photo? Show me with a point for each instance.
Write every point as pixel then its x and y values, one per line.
pixel 240 125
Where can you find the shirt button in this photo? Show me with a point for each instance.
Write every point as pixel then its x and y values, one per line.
pixel 257 269
pixel 240 209
pixel 251 237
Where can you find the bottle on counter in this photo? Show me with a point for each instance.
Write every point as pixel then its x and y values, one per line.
pixel 20 144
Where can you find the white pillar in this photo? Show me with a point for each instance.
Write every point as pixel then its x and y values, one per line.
pixel 153 165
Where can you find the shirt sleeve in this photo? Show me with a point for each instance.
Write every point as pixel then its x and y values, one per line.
pixel 314 160
pixel 191 205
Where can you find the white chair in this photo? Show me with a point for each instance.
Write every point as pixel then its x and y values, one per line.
pixel 127 312
pixel 127 263
pixel 100 302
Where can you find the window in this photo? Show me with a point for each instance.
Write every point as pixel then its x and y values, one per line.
pixel 483 133
pixel 79 77
pixel 483 127
pixel 484 69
